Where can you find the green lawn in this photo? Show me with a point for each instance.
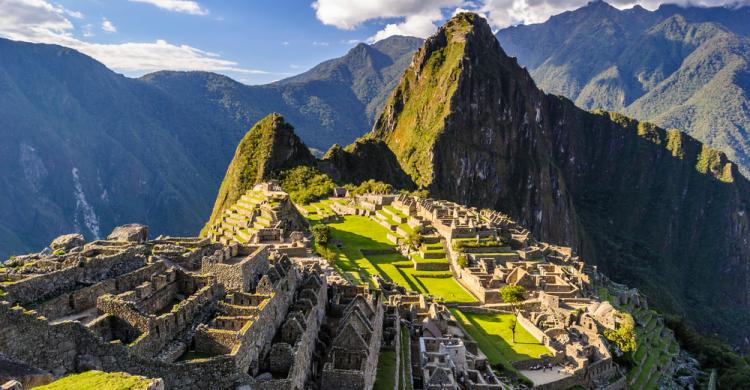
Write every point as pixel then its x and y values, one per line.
pixel 357 233
pixel 386 377
pixel 493 334
pixel 97 380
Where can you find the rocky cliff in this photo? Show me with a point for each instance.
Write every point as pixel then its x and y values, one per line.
pixel 653 208
pixel 270 145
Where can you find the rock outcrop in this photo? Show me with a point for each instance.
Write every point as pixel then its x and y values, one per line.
pixel 133 232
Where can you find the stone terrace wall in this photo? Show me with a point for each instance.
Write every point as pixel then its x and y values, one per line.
pixel 41 287
pixel 70 347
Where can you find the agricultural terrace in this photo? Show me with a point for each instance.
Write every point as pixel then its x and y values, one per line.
pixel 493 333
pixel 364 251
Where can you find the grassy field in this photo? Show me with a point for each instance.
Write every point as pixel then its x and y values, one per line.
pixel 361 233
pixel 386 376
pixel 97 380
pixel 493 334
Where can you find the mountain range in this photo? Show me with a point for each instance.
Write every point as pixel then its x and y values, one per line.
pixel 685 68
pixel 86 149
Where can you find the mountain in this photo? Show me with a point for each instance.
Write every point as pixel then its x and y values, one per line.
pixel 679 67
pixel 653 208
pixel 270 145
pixel 334 102
pixel 85 149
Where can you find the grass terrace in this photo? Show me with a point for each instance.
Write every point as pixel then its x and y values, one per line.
pixel 365 252
pixel 386 376
pixel 494 335
pixel 97 380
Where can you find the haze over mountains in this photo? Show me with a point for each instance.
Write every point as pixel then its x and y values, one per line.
pixel 685 68
pixel 86 149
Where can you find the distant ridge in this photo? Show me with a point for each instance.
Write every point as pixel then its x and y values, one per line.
pixel 680 67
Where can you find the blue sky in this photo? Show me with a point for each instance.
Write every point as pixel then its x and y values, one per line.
pixel 281 38
pixel 252 41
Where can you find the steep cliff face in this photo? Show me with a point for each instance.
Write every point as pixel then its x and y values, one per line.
pixel 270 145
pixel 654 208
pixel 363 160
pixel 467 123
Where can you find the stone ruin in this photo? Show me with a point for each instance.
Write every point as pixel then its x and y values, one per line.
pixel 264 214
pixel 195 313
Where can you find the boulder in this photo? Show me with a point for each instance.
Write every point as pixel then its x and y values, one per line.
pixel 67 242
pixel 130 233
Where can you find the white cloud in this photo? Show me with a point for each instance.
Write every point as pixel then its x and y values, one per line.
pixel 107 26
pixel 318 43
pixel 285 43
pixel 183 6
pixel 420 17
pixel 42 22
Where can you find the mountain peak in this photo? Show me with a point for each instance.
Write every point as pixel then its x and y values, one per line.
pixel 269 146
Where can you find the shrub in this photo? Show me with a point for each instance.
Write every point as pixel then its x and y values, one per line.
pixel 59 252
pixel 416 239
pixel 462 260
pixel 370 187
pixel 321 234
pixel 305 184
pixel 624 335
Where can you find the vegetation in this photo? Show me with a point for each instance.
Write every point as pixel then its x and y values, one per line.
pixel 386 376
pixel 370 187
pixel 59 252
pixel 493 333
pixel 253 160
pixel 414 116
pixel 321 234
pixel 415 238
pixel 305 184
pixel 624 335
pixel 513 295
pixel 97 380
pixel 462 260
pixel 366 252
pixel 733 369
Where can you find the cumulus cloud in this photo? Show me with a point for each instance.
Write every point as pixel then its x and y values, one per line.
pixel 107 26
pixel 183 6
pixel 42 22
pixel 421 18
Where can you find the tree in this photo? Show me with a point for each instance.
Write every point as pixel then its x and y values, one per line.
pixel 321 234
pixel 624 336
pixel 415 238
pixel 462 260
pixel 513 295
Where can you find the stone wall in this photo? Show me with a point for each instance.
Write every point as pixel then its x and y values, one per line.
pixel 296 359
pixel 70 347
pixel 42 287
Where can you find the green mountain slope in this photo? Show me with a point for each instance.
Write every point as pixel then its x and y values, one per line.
pixel 270 145
pixel 653 208
pixel 684 68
